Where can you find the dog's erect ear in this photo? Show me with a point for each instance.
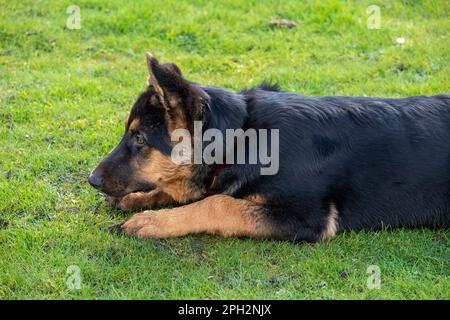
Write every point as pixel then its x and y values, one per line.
pixel 183 101
pixel 165 76
pixel 151 76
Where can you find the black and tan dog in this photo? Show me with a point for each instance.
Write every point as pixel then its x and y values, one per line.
pixel 345 163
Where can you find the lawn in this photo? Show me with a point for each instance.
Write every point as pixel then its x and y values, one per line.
pixel 64 94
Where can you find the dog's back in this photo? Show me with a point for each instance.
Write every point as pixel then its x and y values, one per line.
pixel 378 162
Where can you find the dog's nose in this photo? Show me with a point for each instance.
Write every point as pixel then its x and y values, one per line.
pixel 95 181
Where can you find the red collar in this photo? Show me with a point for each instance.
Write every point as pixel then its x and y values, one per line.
pixel 213 182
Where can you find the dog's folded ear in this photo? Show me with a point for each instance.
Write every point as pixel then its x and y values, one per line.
pixel 184 101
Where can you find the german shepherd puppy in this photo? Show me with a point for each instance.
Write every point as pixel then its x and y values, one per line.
pixel 345 163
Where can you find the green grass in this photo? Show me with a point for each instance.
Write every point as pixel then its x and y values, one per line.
pixel 63 97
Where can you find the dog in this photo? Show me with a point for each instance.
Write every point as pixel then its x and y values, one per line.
pixel 345 163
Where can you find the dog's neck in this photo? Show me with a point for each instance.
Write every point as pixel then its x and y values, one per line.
pixel 227 110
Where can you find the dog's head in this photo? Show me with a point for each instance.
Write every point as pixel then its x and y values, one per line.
pixel 142 159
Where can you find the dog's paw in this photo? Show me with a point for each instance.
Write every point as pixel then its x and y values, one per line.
pixel 112 201
pixel 147 224
pixel 129 202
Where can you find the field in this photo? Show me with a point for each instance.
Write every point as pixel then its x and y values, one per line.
pixel 64 94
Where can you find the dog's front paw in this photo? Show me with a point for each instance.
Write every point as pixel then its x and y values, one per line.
pixel 129 202
pixel 112 201
pixel 140 200
pixel 147 224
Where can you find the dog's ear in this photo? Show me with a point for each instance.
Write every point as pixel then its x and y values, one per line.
pixel 165 78
pixel 152 82
pixel 184 102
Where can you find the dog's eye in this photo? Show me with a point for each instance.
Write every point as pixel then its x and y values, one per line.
pixel 140 138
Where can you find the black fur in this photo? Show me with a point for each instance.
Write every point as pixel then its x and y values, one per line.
pixel 382 162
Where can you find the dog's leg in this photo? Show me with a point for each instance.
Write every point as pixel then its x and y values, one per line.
pixel 141 200
pixel 218 214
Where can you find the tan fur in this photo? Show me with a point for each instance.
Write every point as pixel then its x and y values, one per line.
pixel 331 226
pixel 176 118
pixel 219 215
pixel 144 200
pixel 256 198
pixel 151 77
pixel 134 124
pixel 157 87
pixel 171 178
